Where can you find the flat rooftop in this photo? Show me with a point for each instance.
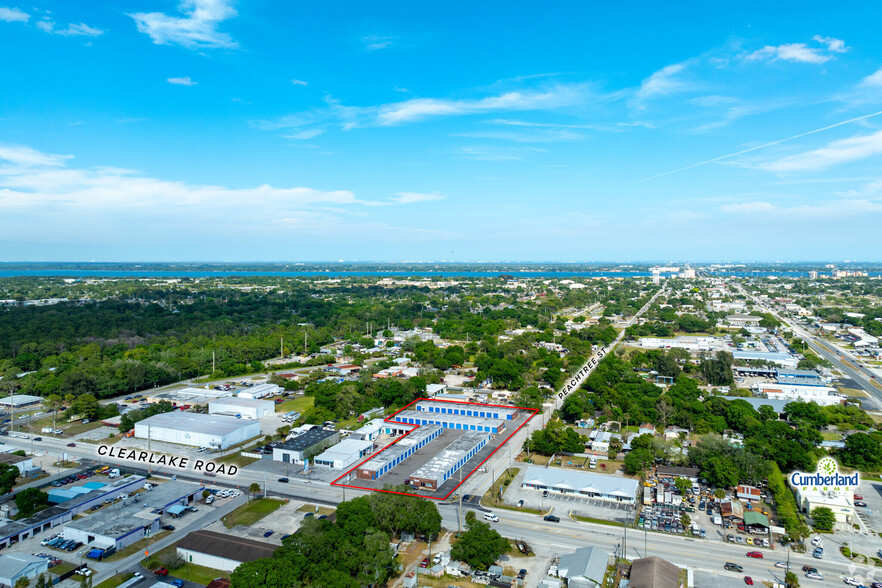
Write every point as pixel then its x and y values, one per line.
pixel 344 450
pixel 390 454
pixel 191 422
pixel 447 418
pixel 239 401
pixel 430 406
pixel 441 463
pixel 306 440
pixel 20 400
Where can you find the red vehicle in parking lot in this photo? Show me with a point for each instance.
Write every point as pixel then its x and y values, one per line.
pixel 161 572
pixel 748 580
pixel 756 554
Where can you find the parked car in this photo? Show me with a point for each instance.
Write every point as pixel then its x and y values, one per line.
pixel 161 572
pixel 860 503
pixel 520 503
pixel 748 580
pixel 268 533
pixel 424 563
pixel 818 553
pixel 178 583
pixel 167 527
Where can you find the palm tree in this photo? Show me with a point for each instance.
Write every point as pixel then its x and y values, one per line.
pixel 253 489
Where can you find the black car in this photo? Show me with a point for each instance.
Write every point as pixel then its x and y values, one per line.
pixel 283 480
pixel 167 527
pixel 522 574
pixel 38 438
pixel 733 567
pixel 552 519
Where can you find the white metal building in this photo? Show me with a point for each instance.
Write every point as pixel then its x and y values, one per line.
pixel 260 391
pixel 822 395
pixel 248 408
pixel 20 565
pixel 220 551
pixel 198 430
pixel 344 453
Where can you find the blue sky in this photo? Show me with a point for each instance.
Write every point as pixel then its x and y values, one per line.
pixel 218 130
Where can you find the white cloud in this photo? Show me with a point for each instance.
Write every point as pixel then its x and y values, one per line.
pixel 836 152
pixel 800 52
pixel 874 79
pixel 27 157
pixel 536 136
pixel 408 111
pixel 198 28
pixel 182 81
pixel 13 15
pixel 747 208
pixel 664 82
pixel 833 45
pixel 47 25
pixel 819 211
pixel 307 134
pixel 375 42
pixel 299 83
pixel 411 197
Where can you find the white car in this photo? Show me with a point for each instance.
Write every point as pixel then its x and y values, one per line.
pixel 782 564
pixel 852 582
pixel 491 517
pixel 816 541
pixel 814 576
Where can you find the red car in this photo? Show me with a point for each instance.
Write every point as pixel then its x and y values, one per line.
pixel 161 572
pixel 756 554
pixel 858 496
pixel 748 580
pixel 424 563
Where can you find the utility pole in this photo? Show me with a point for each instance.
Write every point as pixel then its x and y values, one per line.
pixel 212 362
pixel 281 347
pixel 264 481
pixel 460 499
pixel 305 346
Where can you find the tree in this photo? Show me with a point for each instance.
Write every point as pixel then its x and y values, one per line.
pixel 791 580
pixel 638 460
pixel 823 518
pixel 683 485
pixel 685 520
pixel 615 445
pixel 30 501
pixel 862 451
pixel 470 517
pixel 41 582
pixel 22 582
pixel 253 489
pixel 480 546
pixel 205 494
pixel 86 582
pixel 8 476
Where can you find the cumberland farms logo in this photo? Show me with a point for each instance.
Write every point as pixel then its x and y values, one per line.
pixel 825 478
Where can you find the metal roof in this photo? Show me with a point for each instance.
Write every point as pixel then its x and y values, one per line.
pixel 306 440
pixel 581 481
pixel 191 422
pixel 226 546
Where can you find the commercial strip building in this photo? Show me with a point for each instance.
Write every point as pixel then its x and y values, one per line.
pixel 304 446
pixel 397 453
pixel 344 454
pixel 841 503
pixel 247 408
pixel 441 467
pixel 822 395
pixel 219 551
pixel 197 430
pixel 472 410
pixel 20 530
pixel 599 486
pixel 450 421
pixel 693 344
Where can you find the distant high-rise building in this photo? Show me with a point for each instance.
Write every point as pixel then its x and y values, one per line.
pixel 813 275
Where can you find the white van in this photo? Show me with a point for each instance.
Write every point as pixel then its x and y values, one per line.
pixel 114 473
pixel 592 463
pixel 488 516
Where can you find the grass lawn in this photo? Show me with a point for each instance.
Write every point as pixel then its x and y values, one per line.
pixel 322 510
pixel 593 520
pixel 194 573
pixel 62 568
pixel 140 545
pixel 831 436
pixel 250 513
pixel 853 392
pixel 115 580
pixel 300 404
pixel 78 428
pixel 237 460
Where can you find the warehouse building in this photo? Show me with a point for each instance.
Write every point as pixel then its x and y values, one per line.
pixel 219 551
pixel 441 467
pixel 189 396
pixel 246 408
pixel 15 566
pixel 197 430
pixel 472 410
pixel 119 525
pixel 450 421
pixel 24 464
pixel 599 486
pixel 304 446
pixel 394 455
pixel 783 359
pixel 821 395
pixel 261 391
pixel 344 454
pixel 20 530
pixel 19 400
pixel 81 498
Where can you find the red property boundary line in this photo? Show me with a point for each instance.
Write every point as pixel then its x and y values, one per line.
pixel 391 419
